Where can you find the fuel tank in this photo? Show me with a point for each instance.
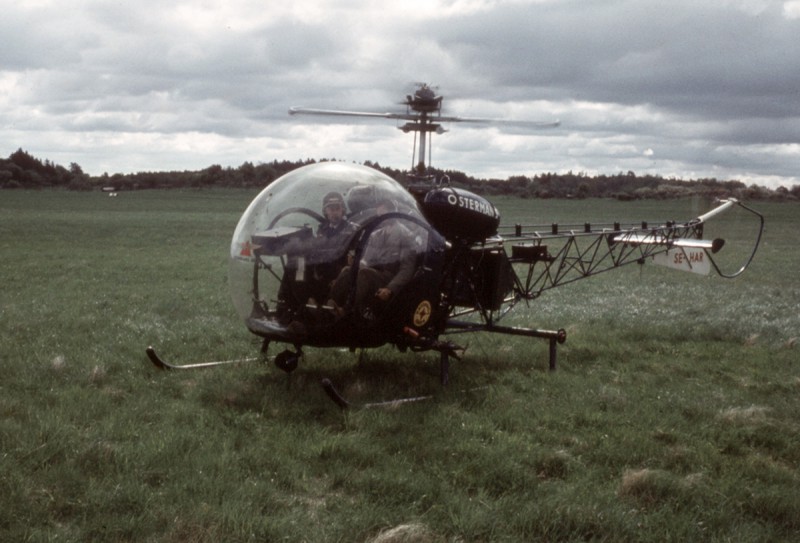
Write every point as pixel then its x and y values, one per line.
pixel 460 215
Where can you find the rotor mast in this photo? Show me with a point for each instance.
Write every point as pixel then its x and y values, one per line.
pixel 423 137
pixel 423 125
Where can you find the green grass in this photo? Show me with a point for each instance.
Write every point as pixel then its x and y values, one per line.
pixel 673 415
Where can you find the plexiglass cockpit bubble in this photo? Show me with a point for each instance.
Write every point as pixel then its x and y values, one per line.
pixel 284 255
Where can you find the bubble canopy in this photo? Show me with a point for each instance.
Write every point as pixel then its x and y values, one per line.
pixel 291 209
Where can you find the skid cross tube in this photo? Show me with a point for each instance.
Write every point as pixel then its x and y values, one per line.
pixel 553 336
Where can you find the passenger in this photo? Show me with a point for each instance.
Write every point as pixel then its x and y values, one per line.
pixel 386 266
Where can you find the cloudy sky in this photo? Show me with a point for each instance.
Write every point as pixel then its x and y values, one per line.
pixel 684 88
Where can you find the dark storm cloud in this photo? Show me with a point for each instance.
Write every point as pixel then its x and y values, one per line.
pixel 692 58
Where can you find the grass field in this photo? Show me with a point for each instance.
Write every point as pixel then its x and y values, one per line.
pixel 674 414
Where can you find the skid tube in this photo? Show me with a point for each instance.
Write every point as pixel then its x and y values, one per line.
pixel 162 364
pixel 553 336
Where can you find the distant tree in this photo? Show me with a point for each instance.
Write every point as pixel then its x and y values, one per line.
pixel 7 180
pixel 247 173
pixel 24 160
pixel 23 170
pixel 211 176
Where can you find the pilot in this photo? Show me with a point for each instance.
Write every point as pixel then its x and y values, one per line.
pixel 323 257
pixel 386 266
pixel 333 208
pixel 325 250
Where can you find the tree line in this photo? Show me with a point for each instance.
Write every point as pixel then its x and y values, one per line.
pixel 21 170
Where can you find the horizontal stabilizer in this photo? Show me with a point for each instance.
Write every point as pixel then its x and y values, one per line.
pixel 648 239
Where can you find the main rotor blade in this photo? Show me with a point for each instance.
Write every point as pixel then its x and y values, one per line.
pixel 417 116
pixel 345 113
pixel 504 122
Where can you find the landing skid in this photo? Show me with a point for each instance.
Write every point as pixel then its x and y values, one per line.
pixel 163 365
pixel 343 403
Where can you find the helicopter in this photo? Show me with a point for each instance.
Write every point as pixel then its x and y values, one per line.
pixel 314 250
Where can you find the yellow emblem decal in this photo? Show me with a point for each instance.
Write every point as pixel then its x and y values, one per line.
pixel 422 314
